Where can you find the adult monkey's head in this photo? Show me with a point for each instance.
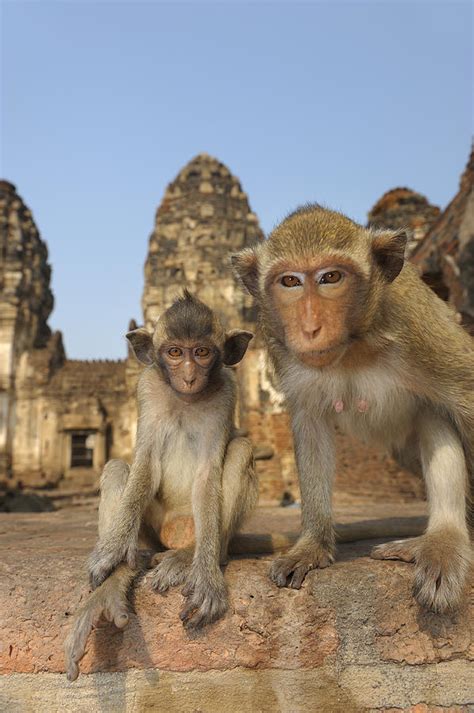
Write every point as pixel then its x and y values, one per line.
pixel 189 346
pixel 318 281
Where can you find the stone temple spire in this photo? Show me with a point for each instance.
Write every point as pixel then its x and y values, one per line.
pixel 404 208
pixel 203 217
pixel 25 292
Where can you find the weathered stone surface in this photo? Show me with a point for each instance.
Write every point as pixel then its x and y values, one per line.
pixel 351 639
pixel 239 691
pixel 407 635
pixel 404 208
pixel 446 255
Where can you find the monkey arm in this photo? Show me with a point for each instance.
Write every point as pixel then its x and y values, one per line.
pixel 120 541
pixel 315 458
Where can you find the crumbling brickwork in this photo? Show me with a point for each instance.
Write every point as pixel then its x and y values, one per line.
pixel 404 208
pixel 446 255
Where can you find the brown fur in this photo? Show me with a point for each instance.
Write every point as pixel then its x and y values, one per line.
pixel 380 342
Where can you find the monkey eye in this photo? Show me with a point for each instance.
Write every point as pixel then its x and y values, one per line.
pixel 330 278
pixel 290 281
pixel 202 352
pixel 175 352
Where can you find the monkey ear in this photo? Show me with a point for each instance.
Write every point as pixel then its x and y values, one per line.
pixel 388 249
pixel 142 345
pixel 245 266
pixel 235 346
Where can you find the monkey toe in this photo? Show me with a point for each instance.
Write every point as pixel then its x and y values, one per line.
pixel 171 570
pixel 290 571
pixel 195 615
pixel 404 550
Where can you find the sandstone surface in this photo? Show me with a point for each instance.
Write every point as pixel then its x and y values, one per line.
pixel 351 639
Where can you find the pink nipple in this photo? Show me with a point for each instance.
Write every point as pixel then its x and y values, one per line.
pixel 338 406
pixel 362 406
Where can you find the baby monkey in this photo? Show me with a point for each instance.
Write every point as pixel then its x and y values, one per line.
pixel 188 460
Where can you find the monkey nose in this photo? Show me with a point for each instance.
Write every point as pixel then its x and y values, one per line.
pixel 310 332
pixel 189 382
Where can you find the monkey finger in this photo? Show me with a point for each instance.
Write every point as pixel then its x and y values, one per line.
pixel 298 576
pixel 280 571
pixel 210 610
pixel 188 589
pixel 187 610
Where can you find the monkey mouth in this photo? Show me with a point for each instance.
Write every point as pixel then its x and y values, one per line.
pixel 322 357
pixel 321 352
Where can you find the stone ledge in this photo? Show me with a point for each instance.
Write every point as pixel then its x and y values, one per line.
pixel 351 639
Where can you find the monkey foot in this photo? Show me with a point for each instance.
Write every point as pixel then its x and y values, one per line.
pixel 442 561
pixel 206 600
pixel 103 603
pixel 291 569
pixel 171 570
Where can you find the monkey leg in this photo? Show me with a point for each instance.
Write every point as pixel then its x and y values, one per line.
pixel 442 555
pixel 112 484
pixel 239 489
pixel 315 548
pixel 108 601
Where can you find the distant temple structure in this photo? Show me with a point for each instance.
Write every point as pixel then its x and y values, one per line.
pixel 62 419
pixel 404 208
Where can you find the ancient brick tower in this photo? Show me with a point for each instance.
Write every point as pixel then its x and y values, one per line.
pixel 203 217
pixel 404 208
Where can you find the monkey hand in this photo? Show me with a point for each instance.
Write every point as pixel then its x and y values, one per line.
pixel 206 598
pixel 106 603
pixel 105 558
pixel 291 569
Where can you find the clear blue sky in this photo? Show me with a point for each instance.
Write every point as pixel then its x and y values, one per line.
pixel 104 102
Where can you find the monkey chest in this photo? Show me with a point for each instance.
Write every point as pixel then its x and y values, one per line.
pixel 178 450
pixel 375 410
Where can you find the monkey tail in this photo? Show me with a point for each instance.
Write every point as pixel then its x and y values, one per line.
pixel 397 527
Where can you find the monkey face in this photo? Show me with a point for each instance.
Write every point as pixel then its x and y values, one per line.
pixel 314 307
pixel 189 347
pixel 187 366
pixel 318 281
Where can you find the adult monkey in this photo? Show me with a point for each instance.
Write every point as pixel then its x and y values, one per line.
pixel 356 338
pixel 188 460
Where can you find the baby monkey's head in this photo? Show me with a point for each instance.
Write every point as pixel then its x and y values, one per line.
pixel 189 346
